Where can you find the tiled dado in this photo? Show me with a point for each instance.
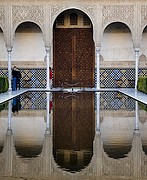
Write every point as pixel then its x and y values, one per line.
pixel 109 77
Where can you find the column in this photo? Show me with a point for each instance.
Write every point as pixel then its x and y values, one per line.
pixel 98 67
pixel 9 68
pixel 48 57
pixel 136 66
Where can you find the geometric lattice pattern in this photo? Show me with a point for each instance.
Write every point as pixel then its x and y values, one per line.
pixel 116 101
pixel 31 78
pixel 113 78
pixel 33 100
pixel 109 78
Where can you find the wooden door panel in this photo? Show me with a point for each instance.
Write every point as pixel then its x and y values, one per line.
pixel 74 121
pixel 73 57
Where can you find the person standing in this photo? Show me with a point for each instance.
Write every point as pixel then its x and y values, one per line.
pixel 14 78
pixel 18 78
pixel 51 76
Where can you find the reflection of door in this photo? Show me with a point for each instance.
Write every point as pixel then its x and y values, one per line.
pixel 73 57
pixel 73 121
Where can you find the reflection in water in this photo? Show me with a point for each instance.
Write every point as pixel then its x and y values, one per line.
pixel 90 134
pixel 73 130
pixel 16 105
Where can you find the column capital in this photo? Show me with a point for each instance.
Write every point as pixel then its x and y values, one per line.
pixel 48 49
pixel 136 47
pixel 98 48
pixel 9 49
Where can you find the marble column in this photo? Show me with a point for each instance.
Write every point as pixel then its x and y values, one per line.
pixel 9 68
pixel 136 66
pixel 98 67
pixel 136 116
pixel 48 57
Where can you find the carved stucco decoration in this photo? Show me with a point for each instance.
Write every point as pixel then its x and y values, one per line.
pixel 143 16
pixel 56 10
pixel 90 10
pixel 24 13
pixel 122 13
pixel 2 17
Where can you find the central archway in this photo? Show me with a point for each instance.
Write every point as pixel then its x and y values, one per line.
pixel 73 50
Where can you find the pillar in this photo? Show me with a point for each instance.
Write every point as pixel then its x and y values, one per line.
pixel 9 68
pixel 136 66
pixel 98 67
pixel 48 57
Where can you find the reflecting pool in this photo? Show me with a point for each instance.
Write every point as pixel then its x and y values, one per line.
pixel 78 135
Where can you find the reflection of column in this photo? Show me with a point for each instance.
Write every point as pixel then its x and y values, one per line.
pixel 48 56
pixel 8 146
pixel 9 68
pixel 47 155
pixel 98 67
pixel 136 65
pixel 136 117
pixel 97 155
pixel 9 114
pixel 48 120
pixel 137 150
pixel 98 112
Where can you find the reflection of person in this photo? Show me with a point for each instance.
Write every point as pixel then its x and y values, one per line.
pixel 14 77
pixel 51 106
pixel 51 75
pixel 16 105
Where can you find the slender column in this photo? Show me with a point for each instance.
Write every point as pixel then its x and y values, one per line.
pixel 98 67
pixel 9 69
pixel 136 66
pixel 136 117
pixel 48 55
pixel 98 112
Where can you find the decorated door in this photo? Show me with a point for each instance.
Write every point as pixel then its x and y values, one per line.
pixel 73 57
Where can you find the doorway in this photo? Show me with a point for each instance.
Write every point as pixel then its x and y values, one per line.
pixel 73 53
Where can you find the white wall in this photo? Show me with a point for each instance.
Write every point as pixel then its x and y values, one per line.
pixel 117 47
pixel 28 47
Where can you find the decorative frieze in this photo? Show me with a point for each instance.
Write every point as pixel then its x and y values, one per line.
pixel 124 13
pixel 27 13
pixel 143 15
pixel 2 17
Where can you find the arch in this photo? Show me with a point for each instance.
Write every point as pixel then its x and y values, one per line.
pixel 3 55
pixel 26 21
pixel 72 8
pixel 32 33
pixel 117 35
pixel 73 45
pixel 143 44
pixel 121 22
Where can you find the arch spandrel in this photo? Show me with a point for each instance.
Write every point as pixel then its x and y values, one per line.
pixel 21 14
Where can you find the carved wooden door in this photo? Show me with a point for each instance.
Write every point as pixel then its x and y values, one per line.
pixel 73 57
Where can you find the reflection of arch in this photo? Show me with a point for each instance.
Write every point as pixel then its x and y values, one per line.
pixel 28 151
pixel 117 151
